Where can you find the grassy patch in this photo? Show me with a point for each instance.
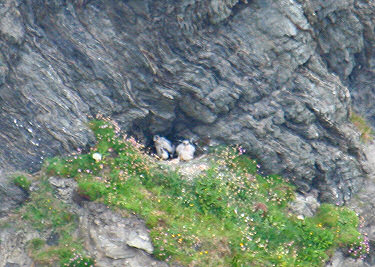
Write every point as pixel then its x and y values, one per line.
pixel 367 133
pixel 228 216
pixel 22 182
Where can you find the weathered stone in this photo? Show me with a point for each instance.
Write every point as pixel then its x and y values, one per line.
pixel 11 26
pixel 65 188
pixel 13 251
pixel 140 241
pixel 11 196
pixel 339 260
pixel 53 239
pixel 304 205
pixel 114 240
pixel 108 237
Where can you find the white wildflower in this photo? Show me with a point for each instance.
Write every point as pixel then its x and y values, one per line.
pixel 97 156
pixel 300 217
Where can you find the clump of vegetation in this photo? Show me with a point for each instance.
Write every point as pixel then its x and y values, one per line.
pixel 47 214
pixel 22 182
pixel 77 260
pixel 367 133
pixel 36 244
pixel 228 216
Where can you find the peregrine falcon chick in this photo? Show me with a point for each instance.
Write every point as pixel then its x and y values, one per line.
pixel 163 146
pixel 185 150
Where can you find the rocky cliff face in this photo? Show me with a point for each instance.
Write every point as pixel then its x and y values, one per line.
pixel 111 238
pixel 272 76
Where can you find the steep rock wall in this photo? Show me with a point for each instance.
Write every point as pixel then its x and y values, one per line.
pixel 264 74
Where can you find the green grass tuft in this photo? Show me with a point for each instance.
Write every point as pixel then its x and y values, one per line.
pixel 367 133
pixel 36 244
pixel 22 182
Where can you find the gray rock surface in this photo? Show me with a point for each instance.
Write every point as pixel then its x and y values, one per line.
pixel 364 204
pixel 65 189
pixel 108 237
pixel 13 246
pixel 13 240
pixel 339 260
pixel 11 196
pixel 269 75
pixel 305 206
pixel 111 239
pixel 114 240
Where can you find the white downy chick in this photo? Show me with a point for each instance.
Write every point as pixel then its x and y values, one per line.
pixel 185 150
pixel 163 146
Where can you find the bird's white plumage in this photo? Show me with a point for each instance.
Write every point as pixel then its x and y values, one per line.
pixel 185 151
pixel 164 148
